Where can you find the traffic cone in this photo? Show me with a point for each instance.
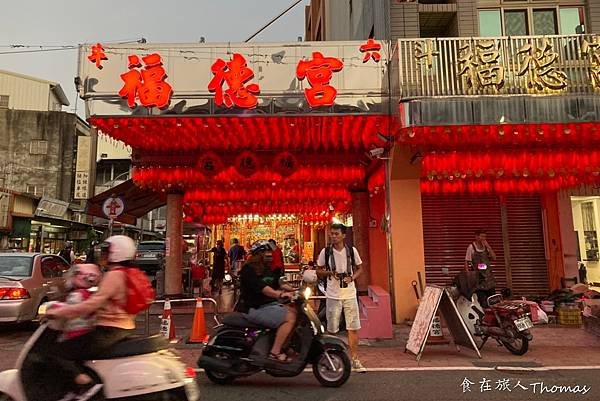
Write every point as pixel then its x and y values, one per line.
pixel 198 333
pixel 167 327
pixel 436 334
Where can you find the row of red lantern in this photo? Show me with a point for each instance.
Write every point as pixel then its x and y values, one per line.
pixel 506 186
pixel 294 133
pixel 517 163
pixel 186 177
pixel 377 180
pixel 309 207
pixel 223 219
pixel 465 136
pixel 302 194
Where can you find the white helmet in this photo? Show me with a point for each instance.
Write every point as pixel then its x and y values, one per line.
pixel 121 248
pixel 309 276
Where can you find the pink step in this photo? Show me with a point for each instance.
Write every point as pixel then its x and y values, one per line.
pixel 375 314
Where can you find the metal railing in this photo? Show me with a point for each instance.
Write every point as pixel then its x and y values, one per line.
pixel 497 66
pixel 175 301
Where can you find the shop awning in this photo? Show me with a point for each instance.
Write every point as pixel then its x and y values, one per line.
pixel 137 201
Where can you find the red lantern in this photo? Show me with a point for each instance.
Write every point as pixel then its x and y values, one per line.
pixel 285 163
pixel 210 164
pixel 247 163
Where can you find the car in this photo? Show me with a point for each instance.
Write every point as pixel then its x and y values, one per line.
pixel 27 280
pixel 150 256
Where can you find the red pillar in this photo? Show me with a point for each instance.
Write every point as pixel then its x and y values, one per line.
pixel 360 231
pixel 173 268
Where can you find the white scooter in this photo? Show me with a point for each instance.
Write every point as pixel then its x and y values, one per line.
pixel 141 369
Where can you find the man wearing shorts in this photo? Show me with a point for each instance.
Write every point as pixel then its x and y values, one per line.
pixel 341 265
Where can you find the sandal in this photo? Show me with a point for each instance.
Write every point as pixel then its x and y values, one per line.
pixel 281 358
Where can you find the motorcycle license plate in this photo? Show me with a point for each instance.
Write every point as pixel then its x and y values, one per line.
pixel 523 323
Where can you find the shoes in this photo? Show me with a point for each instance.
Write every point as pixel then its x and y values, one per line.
pixel 357 367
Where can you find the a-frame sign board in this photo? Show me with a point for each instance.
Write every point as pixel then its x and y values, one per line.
pixel 437 298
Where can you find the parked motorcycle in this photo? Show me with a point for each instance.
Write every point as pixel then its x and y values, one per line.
pixel 136 368
pixel 507 322
pixel 240 348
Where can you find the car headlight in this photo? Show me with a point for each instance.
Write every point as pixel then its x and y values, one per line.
pixel 307 293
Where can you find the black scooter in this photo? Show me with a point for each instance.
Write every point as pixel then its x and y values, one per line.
pixel 239 348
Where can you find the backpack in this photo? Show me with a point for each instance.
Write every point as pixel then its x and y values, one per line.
pixel 328 252
pixel 140 293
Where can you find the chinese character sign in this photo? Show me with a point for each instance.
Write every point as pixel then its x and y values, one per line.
pixel 235 74
pixel 319 72
pixel 481 65
pixel 148 84
pixel 539 66
pixel 425 52
pixel 591 51
pixel 97 55
pixel 371 50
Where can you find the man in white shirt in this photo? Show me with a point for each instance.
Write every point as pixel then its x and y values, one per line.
pixel 341 265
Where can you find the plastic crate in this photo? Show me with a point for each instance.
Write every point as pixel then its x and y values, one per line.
pixel 569 317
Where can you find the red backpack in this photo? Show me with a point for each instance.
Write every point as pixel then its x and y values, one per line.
pixel 140 293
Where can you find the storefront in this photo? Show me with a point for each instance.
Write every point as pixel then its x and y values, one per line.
pixel 444 137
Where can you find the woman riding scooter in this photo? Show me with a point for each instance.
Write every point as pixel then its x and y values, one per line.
pixel 260 290
pixel 113 323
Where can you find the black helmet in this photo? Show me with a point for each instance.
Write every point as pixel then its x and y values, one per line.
pixel 260 246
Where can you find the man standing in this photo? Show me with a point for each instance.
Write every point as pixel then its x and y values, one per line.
pixel 67 253
pixel 478 258
pixel 236 254
pixel 341 265
pixel 218 273
pixel 277 257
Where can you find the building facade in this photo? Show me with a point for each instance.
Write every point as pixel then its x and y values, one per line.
pixel 464 74
pixel 46 167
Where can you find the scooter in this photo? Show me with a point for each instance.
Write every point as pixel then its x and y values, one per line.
pixel 240 348
pixel 507 322
pixel 141 369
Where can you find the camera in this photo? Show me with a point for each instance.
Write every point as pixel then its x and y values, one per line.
pixel 377 152
pixel 341 277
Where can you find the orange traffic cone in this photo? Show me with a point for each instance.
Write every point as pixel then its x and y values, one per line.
pixel 436 334
pixel 198 333
pixel 167 327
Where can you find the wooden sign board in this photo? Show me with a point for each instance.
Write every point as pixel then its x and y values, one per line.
pixel 437 299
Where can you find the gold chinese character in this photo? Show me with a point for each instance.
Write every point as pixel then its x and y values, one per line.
pixel 425 49
pixel 482 67
pixel 539 63
pixel 591 50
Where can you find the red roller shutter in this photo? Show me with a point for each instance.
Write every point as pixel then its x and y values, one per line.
pixel 448 226
pixel 527 254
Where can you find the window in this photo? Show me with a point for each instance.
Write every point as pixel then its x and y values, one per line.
pixel 571 21
pixel 515 23
pixel 35 190
pixel 38 147
pixel 53 266
pixel 4 101
pixel 490 23
pixel 544 22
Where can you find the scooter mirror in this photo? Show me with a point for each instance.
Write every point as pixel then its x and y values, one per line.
pixel 283 280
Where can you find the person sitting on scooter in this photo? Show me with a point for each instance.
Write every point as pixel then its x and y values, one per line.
pixel 259 286
pixel 113 323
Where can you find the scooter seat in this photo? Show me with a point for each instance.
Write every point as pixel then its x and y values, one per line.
pixel 237 319
pixel 136 346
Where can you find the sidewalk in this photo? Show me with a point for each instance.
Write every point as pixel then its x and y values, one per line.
pixel 552 346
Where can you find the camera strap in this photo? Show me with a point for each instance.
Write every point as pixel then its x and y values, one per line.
pixel 330 259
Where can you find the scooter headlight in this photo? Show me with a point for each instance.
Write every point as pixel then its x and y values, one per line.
pixel 307 293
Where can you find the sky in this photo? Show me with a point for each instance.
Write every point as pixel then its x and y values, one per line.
pixel 70 22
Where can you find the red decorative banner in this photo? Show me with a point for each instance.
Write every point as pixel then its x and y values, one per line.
pixel 235 73
pixel 247 163
pixel 148 85
pixel 318 72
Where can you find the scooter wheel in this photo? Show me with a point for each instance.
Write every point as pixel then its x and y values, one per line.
pixel 518 346
pixel 219 378
pixel 324 373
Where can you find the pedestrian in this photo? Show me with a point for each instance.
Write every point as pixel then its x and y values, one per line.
pixel 218 271
pixel 340 264
pixel 67 252
pixel 237 255
pixel 277 257
pixel 478 258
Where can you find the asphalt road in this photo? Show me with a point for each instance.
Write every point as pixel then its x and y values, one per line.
pixel 413 385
